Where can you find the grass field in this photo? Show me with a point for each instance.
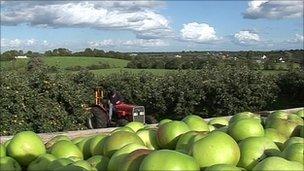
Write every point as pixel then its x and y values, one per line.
pixel 135 71
pixel 272 72
pixel 159 71
pixel 64 62
pixel 118 65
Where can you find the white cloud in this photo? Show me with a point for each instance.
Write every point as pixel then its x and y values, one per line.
pixel 137 16
pixel 297 39
pixel 274 9
pixel 198 32
pixel 26 44
pixel 246 37
pixel 128 43
pixel 14 43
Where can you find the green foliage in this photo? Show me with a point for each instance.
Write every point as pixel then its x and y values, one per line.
pixel 34 63
pixel 291 86
pixel 199 63
pixel 167 63
pixel 43 103
pixel 221 90
pixel 99 65
pixel 10 55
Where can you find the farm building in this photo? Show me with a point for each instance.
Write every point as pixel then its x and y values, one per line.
pixel 20 57
pixel 281 60
pixel 133 54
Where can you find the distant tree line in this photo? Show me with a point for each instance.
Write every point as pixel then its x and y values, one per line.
pixel 199 63
pixel 296 55
pixel 11 54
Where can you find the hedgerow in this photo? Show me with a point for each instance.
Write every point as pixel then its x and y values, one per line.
pixel 212 91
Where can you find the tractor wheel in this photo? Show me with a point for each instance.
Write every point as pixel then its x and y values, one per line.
pixel 122 122
pixel 90 123
pixel 150 119
pixel 100 118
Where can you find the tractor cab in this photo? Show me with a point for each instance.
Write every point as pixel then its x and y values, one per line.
pixel 105 114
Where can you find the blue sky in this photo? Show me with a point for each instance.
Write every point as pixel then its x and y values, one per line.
pixel 152 25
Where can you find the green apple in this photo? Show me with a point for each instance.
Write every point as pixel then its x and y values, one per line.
pixel 196 123
pixel 65 149
pixel 149 137
pixel 99 162
pixel 286 124
pixel 223 167
pixel 58 163
pixel 123 129
pixel 197 137
pixel 56 139
pixel 163 121
pixel 119 155
pixel 118 140
pixel 183 143
pixel 245 128
pixel 135 126
pixel 223 129
pixel 216 148
pixel 218 122
pixel 168 160
pixel 300 113
pixel 41 162
pixel 293 140
pixel 94 143
pixel 277 163
pixel 187 140
pixel 295 118
pixel 80 165
pixel 74 158
pixel 2 150
pixel 98 150
pixel 294 152
pixel 275 136
pixel 84 147
pixel 244 115
pixel 133 160
pixel 148 127
pixel 6 143
pixel 25 147
pixel 169 133
pixel 277 114
pixel 255 149
pixel 211 128
pixel 78 139
pixel 9 164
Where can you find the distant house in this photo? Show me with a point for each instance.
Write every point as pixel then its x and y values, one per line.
pixel 258 61
pixel 20 57
pixel 281 60
pixel 133 54
pixel 178 56
pixel 264 57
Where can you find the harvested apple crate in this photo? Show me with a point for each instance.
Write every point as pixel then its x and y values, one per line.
pixel 270 140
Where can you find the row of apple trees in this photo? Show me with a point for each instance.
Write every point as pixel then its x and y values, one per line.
pixel 46 102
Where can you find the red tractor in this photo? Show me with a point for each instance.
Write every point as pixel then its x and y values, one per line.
pixel 103 115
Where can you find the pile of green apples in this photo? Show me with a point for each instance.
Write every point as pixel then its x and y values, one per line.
pixel 244 142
